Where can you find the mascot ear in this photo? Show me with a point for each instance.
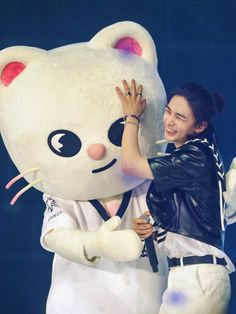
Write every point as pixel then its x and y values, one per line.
pixel 14 60
pixel 128 37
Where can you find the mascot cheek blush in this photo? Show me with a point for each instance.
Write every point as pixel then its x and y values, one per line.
pixel 61 122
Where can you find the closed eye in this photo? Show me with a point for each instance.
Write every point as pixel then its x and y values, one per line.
pixel 180 117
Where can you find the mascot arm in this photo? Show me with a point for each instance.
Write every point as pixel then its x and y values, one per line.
pixel 230 193
pixel 88 247
pixel 69 243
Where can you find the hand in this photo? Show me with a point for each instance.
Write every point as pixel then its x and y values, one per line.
pixel 117 245
pixel 131 100
pixel 142 227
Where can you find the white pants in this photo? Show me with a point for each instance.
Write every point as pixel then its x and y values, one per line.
pixel 197 289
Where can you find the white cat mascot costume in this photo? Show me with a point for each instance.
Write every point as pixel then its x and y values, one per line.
pixel 61 122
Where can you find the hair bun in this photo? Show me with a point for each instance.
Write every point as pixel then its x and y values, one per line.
pixel 218 100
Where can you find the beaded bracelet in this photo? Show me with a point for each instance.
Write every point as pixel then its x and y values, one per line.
pixel 132 116
pixel 131 122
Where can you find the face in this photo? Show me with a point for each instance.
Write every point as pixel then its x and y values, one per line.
pixel 179 121
pixel 70 132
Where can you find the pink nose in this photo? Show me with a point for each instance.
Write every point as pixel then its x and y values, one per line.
pixel 96 151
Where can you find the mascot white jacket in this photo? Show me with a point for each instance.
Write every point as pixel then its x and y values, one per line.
pixel 61 122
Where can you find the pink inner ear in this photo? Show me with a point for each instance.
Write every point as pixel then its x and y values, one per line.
pixel 130 45
pixel 11 71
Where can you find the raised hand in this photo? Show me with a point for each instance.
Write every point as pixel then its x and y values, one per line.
pixel 131 100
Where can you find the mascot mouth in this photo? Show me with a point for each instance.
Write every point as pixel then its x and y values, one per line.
pixel 105 167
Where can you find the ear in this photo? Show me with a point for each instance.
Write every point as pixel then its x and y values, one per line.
pixel 201 127
pixel 14 60
pixel 128 37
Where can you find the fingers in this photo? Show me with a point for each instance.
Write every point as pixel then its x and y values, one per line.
pixel 143 237
pixel 139 91
pixel 120 95
pixel 142 228
pixel 139 221
pixel 136 92
pixel 126 87
pixel 144 233
pixel 133 89
pixel 119 92
pixel 131 98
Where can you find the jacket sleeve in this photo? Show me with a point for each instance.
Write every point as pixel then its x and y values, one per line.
pixel 181 169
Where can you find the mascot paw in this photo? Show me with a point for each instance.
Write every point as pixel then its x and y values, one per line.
pixel 117 245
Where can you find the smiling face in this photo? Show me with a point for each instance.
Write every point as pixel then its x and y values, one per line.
pixel 179 122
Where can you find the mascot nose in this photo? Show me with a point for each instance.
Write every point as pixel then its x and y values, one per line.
pixel 96 151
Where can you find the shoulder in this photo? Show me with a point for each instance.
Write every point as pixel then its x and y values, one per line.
pixel 193 156
pixel 200 149
pixel 56 201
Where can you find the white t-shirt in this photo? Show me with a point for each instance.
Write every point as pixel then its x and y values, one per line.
pixel 109 287
pixel 176 245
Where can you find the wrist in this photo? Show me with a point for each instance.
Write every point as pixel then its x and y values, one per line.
pixel 131 120
pixel 131 117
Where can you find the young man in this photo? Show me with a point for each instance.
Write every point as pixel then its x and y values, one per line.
pixel 185 197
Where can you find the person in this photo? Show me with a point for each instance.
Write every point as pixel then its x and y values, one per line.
pixel 185 196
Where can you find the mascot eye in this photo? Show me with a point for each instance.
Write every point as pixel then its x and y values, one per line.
pixel 64 143
pixel 116 131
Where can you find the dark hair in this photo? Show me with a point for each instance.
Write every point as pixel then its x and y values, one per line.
pixel 204 104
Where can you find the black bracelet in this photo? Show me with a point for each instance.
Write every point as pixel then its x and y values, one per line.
pixel 132 116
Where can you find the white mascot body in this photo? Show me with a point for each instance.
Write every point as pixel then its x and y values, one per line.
pixel 61 122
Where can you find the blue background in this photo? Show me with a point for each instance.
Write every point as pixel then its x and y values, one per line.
pixel 195 41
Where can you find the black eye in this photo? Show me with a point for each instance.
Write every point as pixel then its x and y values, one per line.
pixel 116 131
pixel 64 143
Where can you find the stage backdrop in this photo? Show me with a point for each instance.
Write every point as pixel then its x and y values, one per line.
pixel 195 41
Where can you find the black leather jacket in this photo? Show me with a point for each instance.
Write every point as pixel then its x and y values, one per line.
pixel 184 196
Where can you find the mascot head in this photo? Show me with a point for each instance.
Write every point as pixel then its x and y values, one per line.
pixel 60 117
